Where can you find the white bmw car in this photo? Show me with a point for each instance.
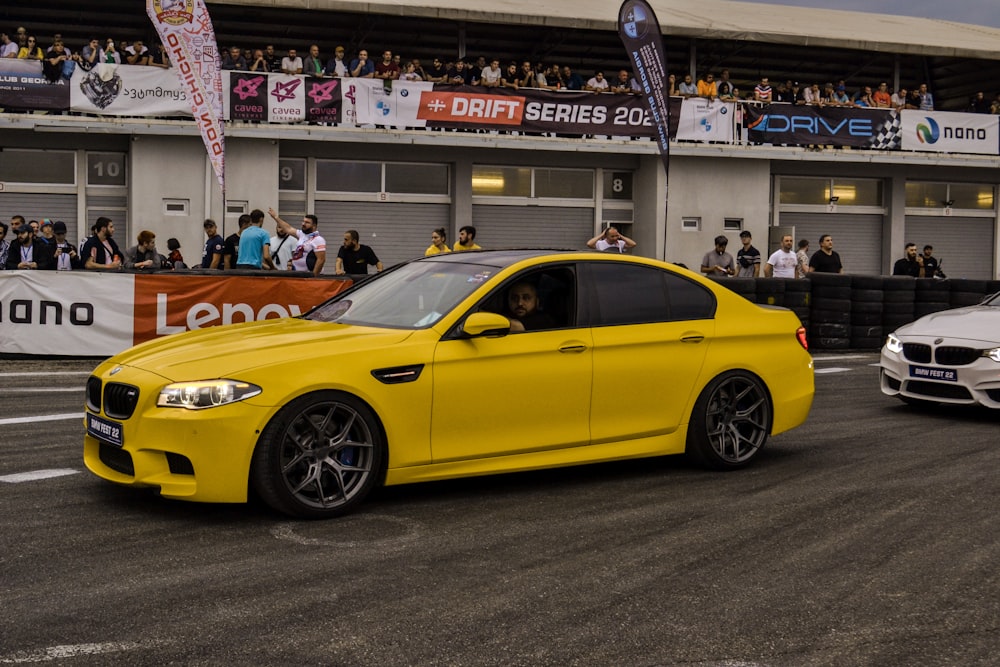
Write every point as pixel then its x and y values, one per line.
pixel 947 357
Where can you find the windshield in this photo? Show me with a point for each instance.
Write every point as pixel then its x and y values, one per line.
pixel 993 300
pixel 414 296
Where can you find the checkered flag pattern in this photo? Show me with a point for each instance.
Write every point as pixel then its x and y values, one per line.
pixel 889 136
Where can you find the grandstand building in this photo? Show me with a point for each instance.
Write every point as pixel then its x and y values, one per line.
pixel 395 183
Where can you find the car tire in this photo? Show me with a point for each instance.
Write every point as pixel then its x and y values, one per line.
pixel 730 421
pixel 320 456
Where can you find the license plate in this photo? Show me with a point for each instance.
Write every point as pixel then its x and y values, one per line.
pixel 928 373
pixel 105 430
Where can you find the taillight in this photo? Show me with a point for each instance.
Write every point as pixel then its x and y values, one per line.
pixel 800 333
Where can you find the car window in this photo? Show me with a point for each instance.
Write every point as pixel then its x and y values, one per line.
pixel 636 294
pixel 552 292
pixel 413 296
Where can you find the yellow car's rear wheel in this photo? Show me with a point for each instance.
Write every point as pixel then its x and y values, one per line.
pixel 730 422
pixel 320 456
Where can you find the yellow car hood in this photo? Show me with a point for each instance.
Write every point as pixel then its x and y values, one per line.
pixel 226 351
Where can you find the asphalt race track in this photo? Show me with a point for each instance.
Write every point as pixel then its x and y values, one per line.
pixel 867 537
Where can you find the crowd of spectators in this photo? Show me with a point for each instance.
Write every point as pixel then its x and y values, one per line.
pixel 58 60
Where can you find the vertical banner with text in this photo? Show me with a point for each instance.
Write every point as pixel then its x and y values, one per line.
pixel 186 30
pixel 640 33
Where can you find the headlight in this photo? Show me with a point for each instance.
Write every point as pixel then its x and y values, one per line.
pixel 205 394
pixel 893 344
pixel 993 354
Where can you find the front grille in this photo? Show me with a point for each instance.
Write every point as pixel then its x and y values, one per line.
pixel 918 352
pixel 120 400
pixel 948 355
pixel 116 458
pixel 938 390
pixel 94 393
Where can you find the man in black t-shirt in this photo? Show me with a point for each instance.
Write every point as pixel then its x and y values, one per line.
pixel 231 249
pixel 825 260
pixel 911 264
pixel 354 258
pixel 932 267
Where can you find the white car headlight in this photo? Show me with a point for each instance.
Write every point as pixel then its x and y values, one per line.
pixel 993 354
pixel 893 344
pixel 205 394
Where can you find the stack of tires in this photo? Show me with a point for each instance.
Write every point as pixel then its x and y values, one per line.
pixel 798 297
pixel 967 292
pixel 770 291
pixel 866 312
pixel 830 311
pixel 931 296
pixel 898 294
pixel 745 287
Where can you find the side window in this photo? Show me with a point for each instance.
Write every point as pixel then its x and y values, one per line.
pixel 538 300
pixel 633 294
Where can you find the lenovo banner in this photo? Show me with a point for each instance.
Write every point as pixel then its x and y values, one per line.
pixel 84 313
pixel 951 132
pixel 835 126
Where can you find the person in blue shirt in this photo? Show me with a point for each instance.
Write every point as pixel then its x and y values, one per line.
pixel 255 244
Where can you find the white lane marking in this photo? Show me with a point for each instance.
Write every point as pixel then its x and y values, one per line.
pixel 42 390
pixel 841 357
pixel 17 375
pixel 72 650
pixel 835 369
pixel 19 477
pixel 41 418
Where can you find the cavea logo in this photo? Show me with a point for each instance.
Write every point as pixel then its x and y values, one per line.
pixel 930 133
pixel 247 88
pixel 285 90
pixel 322 92
pixel 174 12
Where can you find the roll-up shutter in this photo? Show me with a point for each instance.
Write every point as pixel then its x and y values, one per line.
pixel 532 226
pixel 856 238
pixel 965 244
pixel 38 206
pixel 396 231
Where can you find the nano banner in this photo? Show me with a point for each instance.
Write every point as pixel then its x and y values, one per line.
pixel 951 132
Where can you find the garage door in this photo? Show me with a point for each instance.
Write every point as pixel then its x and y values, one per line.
pixel 395 231
pixel 532 226
pixel 856 238
pixel 964 244
pixel 40 206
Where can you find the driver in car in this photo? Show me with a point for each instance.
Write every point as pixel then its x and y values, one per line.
pixel 522 307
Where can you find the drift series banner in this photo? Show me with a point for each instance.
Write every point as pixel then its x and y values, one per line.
pixel 950 132
pixel 836 126
pixel 186 31
pixel 87 313
pixel 640 33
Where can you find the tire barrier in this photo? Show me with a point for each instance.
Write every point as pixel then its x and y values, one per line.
pixel 843 312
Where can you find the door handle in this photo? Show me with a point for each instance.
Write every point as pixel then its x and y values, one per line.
pixel 692 338
pixel 575 349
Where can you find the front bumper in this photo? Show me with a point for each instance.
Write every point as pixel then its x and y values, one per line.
pixel 977 383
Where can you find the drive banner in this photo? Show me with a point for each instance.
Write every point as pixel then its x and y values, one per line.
pixel 22 86
pixel 86 313
pixel 950 132
pixel 836 126
pixel 640 33
pixel 185 28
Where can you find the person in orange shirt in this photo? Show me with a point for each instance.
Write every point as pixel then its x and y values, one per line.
pixel 883 99
pixel 707 87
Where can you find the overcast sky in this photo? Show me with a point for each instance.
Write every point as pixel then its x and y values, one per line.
pixel 982 12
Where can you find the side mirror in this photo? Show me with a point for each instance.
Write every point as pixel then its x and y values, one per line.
pixel 486 324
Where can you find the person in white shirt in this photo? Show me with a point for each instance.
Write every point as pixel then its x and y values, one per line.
pixel 611 240
pixel 782 263
pixel 597 83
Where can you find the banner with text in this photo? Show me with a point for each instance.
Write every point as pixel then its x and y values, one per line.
pixel 22 86
pixel 706 120
pixel 84 313
pixel 128 90
pixel 835 126
pixel 950 132
pixel 640 33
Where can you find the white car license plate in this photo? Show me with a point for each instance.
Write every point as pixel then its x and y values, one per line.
pixel 928 373
pixel 105 430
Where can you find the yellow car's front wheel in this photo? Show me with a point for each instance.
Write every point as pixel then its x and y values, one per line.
pixel 320 456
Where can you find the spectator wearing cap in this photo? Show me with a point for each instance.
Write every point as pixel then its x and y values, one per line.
pixel 45 234
pixel 718 262
pixel 840 97
pixel 28 253
pixel 64 255
pixel 336 66
pixel 748 257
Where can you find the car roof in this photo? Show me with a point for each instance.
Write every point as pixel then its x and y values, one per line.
pixel 497 258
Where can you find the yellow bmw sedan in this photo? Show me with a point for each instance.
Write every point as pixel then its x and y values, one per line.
pixel 455 365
